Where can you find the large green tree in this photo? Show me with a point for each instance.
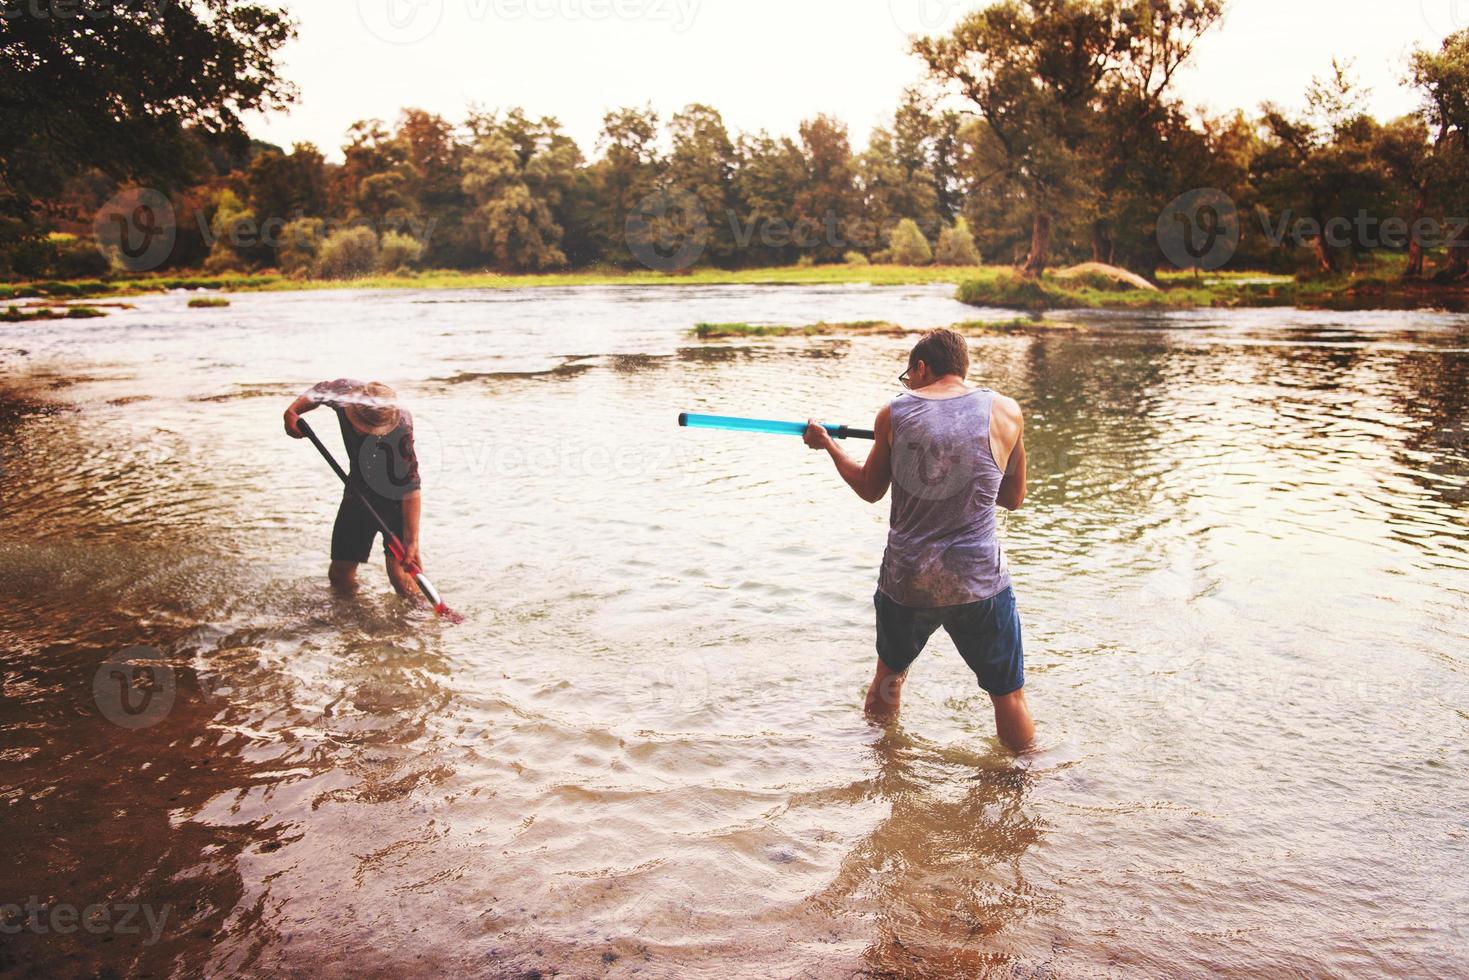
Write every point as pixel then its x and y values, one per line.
pixel 119 87
pixel 1040 71
pixel 1442 77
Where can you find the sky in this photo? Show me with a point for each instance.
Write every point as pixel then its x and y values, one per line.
pixel 765 64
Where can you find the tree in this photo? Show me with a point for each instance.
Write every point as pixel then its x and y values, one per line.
pixel 514 176
pixel 1321 165
pixel 703 164
pixel 126 98
pixel 769 176
pixel 625 176
pixel 1409 158
pixel 1443 78
pixel 1038 71
pixel 826 201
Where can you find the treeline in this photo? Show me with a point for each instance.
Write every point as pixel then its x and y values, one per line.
pixel 1045 133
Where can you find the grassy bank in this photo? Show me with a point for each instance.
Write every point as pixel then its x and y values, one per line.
pixel 858 328
pixel 989 286
pixel 1002 288
pixel 876 275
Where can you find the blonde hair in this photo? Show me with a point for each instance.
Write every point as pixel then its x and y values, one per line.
pixel 375 406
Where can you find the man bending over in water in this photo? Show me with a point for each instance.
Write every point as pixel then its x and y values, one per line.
pixel 383 468
pixel 951 453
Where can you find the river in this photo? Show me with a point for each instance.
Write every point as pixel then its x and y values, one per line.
pixel 1243 569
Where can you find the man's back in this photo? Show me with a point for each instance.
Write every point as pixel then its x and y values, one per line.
pixel 943 546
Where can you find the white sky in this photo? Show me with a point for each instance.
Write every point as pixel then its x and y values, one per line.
pixel 762 63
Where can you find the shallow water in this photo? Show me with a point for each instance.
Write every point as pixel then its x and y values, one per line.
pixel 1243 567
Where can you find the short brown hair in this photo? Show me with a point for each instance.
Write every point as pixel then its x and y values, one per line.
pixel 945 351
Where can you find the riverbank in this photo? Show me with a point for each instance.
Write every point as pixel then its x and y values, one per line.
pixel 873 328
pixel 981 286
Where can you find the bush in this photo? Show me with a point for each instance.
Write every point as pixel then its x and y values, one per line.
pixel 347 254
pixel 856 258
pixel 80 258
pixel 907 246
pixel 233 224
pixel 1015 292
pixel 300 243
pixel 399 251
pixel 956 246
pixel 33 258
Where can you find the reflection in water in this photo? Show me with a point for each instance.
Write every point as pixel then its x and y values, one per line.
pixel 943 871
pixel 1244 570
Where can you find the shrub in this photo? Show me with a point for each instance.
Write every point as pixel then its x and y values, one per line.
pixel 856 258
pixel 907 246
pixel 207 303
pixel 1014 292
pixel 399 251
pixel 956 246
pixel 347 254
pixel 233 224
pixel 300 242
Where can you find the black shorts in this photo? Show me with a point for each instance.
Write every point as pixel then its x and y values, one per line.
pixel 987 634
pixel 354 530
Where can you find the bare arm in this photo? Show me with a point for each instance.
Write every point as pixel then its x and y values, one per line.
pixel 304 403
pixel 871 478
pixel 412 513
pixel 1011 423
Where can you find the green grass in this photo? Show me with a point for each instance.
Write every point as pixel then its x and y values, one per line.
pixel 15 314
pixel 207 303
pixel 726 331
pixel 1374 285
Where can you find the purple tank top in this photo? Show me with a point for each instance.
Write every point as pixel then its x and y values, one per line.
pixel 943 546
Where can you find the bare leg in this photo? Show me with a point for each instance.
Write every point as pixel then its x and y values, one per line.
pixel 1012 721
pixel 403 583
pixel 343 576
pixel 885 694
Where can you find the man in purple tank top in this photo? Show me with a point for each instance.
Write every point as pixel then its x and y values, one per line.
pixel 951 455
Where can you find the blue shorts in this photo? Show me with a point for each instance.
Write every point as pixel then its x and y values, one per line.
pixel 987 634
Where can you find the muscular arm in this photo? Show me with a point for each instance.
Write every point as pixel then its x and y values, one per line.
pixel 871 478
pixel 1008 430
